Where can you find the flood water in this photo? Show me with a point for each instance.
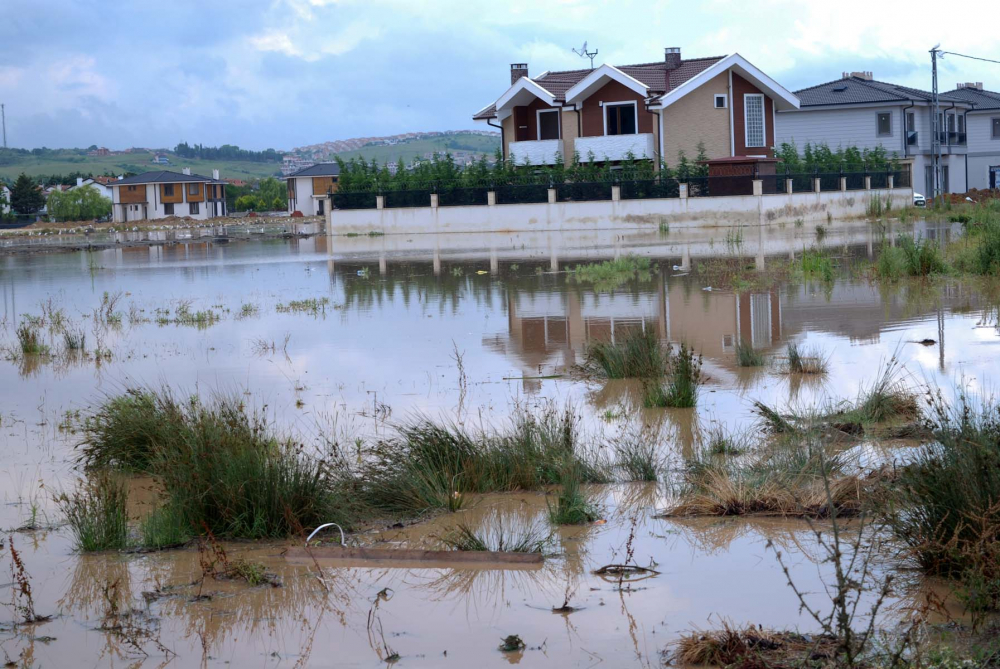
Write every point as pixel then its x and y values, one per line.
pixel 458 328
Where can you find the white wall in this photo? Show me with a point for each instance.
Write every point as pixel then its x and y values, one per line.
pixel 304 200
pixel 984 151
pixel 5 196
pixel 841 128
pixel 956 173
pixel 620 215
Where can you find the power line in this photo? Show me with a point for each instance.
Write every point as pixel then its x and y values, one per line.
pixel 962 55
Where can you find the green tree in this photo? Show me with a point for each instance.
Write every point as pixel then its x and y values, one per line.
pixel 25 196
pixel 249 203
pixel 277 204
pixel 79 204
pixel 270 189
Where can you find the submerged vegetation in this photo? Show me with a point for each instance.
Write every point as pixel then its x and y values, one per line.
pixel 637 354
pixel 498 534
pixel 679 390
pixel 611 274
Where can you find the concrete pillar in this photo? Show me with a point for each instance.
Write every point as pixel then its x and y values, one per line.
pixel 437 263
pixel 383 267
pixel 843 184
pixel 816 186
pixel 616 193
pixel 434 200
pixel 552 196
pixel 686 259
pixel 758 187
pixel 329 217
pixel 684 191
pixel 868 183
pixel 759 261
pixel 554 261
pixel 788 186
pixel 890 185
pixel 380 201
pixel 494 262
pixel 491 198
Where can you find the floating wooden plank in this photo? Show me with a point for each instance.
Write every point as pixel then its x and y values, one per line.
pixel 404 558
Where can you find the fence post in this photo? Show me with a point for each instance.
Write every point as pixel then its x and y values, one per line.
pixel 889 182
pixel 758 186
pixel 868 182
pixel 682 191
pixel 380 201
pixel 816 184
pixel 434 200
pixel 491 198
pixel 552 195
pixel 616 193
pixel 789 188
pixel 843 184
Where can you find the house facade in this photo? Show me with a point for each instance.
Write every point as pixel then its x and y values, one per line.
pixel 982 126
pixel 154 195
pixel 308 188
pixel 101 186
pixel 650 111
pixel 857 110
pixel 4 199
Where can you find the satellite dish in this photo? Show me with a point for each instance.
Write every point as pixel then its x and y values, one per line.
pixel 583 53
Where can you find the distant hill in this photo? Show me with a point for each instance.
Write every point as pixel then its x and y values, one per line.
pixel 473 140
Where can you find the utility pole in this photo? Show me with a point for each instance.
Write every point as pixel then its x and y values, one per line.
pixel 935 128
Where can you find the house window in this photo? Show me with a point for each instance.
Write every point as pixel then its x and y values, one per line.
pixel 168 208
pixel 911 122
pixel 995 123
pixel 548 124
pixel 131 188
pixel 884 124
pixel 195 209
pixel 720 101
pixel 192 189
pixel 620 118
pixel 961 123
pixel 753 113
pixel 168 190
pixel 951 123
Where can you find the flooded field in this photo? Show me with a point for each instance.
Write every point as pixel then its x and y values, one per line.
pixel 345 339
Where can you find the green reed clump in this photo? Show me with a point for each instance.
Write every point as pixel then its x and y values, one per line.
pixel 96 513
pixel 29 339
pixel 74 340
pixel 223 467
pixel 572 506
pixel 639 354
pixel 949 499
pixel 910 257
pixel 429 465
pixel 165 527
pixel 748 356
pixel 610 274
pixel 680 388
pixel 499 534
pixel 814 263
pixel 638 460
pixel 800 361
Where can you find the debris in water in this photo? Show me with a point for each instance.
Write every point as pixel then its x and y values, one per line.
pixel 512 643
pixel 924 342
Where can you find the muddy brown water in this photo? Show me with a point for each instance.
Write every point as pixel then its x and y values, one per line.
pixel 384 346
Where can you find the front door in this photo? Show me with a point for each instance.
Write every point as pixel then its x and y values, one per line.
pixel 994 169
pixel 319 207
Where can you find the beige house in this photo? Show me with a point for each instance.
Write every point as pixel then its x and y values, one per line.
pixel 651 111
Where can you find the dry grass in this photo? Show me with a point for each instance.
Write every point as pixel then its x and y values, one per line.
pixel 750 647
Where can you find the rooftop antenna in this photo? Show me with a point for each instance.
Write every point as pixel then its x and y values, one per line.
pixel 583 53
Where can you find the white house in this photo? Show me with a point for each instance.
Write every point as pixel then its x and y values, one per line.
pixel 982 124
pixel 160 194
pixel 4 199
pixel 308 188
pixel 858 111
pixel 103 188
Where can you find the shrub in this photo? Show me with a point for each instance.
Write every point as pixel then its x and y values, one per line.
pixel 748 356
pixel 96 513
pixel 680 391
pixel 572 507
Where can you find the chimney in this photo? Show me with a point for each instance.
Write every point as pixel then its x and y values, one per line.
pixel 79 181
pixel 672 57
pixel 867 76
pixel 187 171
pixel 518 70
pixel 215 174
pixel 978 85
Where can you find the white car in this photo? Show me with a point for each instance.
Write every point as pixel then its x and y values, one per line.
pixel 919 200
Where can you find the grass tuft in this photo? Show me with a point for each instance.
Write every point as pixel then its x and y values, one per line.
pixel 680 389
pixel 638 354
pixel 96 513
pixel 572 506
pixel 748 356
pixel 497 534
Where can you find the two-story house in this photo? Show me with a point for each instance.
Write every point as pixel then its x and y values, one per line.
pixel 652 111
pixel 982 126
pixel 308 188
pixel 154 195
pixel 856 110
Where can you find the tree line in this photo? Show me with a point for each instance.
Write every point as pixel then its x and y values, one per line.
pixel 227 152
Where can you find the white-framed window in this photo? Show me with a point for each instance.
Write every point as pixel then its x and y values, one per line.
pixel 753 114
pixel 883 124
pixel 168 190
pixel 621 118
pixel 995 125
pixel 195 209
pixel 548 123
pixel 721 100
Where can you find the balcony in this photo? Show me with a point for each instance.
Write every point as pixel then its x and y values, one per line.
pixel 616 147
pixel 911 137
pixel 537 152
pixel 956 138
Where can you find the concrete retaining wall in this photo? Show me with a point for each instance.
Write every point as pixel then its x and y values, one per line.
pixel 624 214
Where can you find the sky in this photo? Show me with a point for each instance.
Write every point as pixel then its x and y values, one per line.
pixel 287 73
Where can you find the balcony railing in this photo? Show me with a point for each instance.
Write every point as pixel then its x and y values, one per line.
pixel 615 147
pixel 536 152
pixel 956 138
pixel 911 138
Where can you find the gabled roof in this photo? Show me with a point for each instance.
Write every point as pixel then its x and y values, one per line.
pixel 856 90
pixel 782 97
pixel 981 99
pixel 164 177
pixel 317 170
pixel 656 77
pixel 598 77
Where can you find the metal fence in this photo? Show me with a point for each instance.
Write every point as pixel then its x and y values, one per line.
pixel 521 193
pixel 458 196
pixel 584 192
pixel 643 189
